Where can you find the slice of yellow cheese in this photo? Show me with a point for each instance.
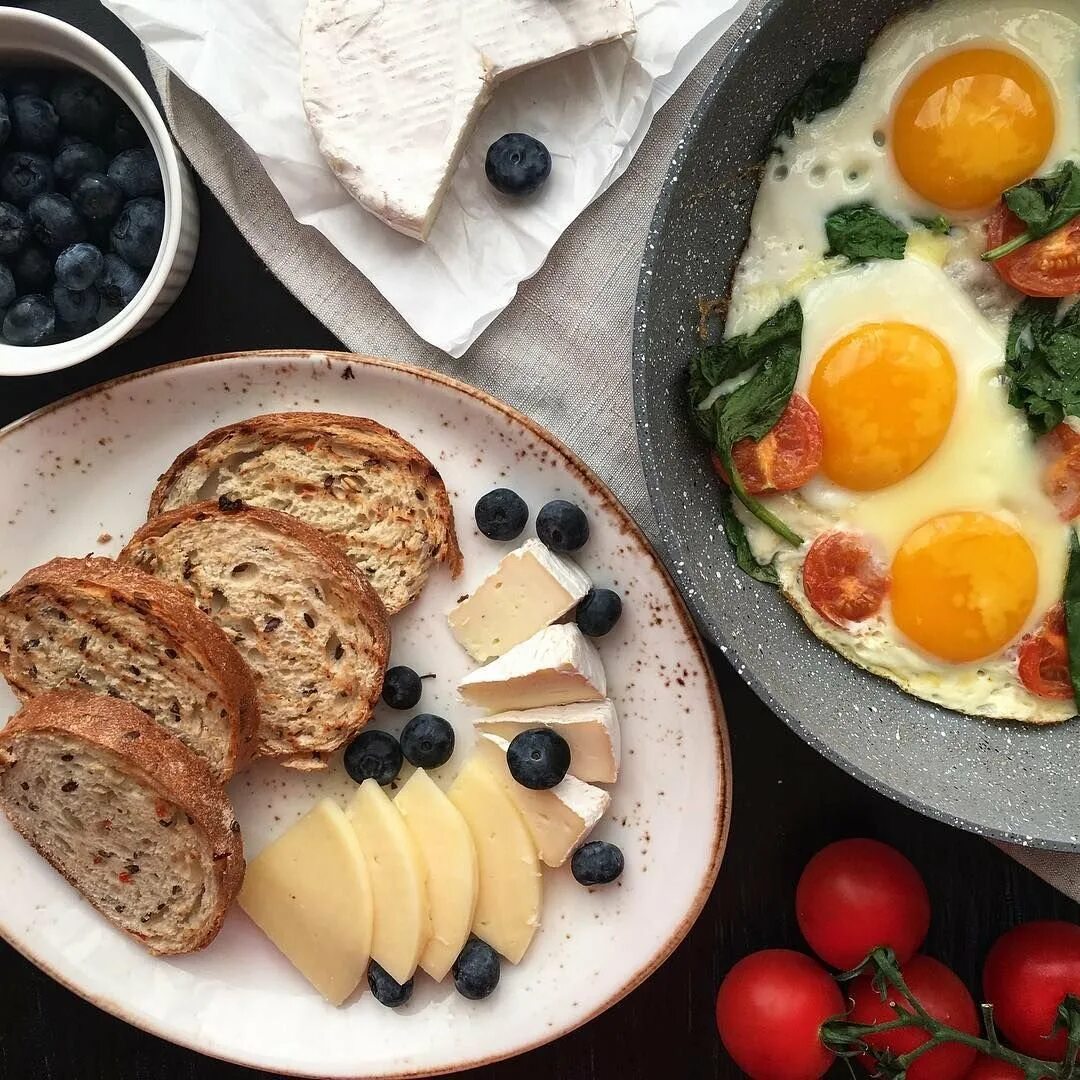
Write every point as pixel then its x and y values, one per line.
pixel 508 905
pixel 309 892
pixel 402 925
pixel 453 875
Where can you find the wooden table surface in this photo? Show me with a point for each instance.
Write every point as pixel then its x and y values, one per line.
pixel 788 801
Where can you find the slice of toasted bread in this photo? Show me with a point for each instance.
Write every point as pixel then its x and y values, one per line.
pixel 351 477
pixel 130 816
pixel 311 628
pixel 91 624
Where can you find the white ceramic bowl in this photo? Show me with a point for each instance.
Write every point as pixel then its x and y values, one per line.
pixel 30 38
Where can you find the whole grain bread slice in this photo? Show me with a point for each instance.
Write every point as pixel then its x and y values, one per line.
pixel 91 624
pixel 349 476
pixel 313 631
pixel 128 814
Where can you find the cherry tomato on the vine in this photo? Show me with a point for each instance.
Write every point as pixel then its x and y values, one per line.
pixel 769 1013
pixel 856 895
pixel 987 1068
pixel 943 996
pixel 1027 974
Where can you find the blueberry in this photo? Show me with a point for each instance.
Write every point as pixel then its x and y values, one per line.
pixel 517 164
pixel 14 229
pixel 136 236
pixel 34 123
pixel 76 308
pixel 96 197
pixel 29 321
pixel 402 688
pixel 373 755
pixel 84 106
pixel 5 120
pixel 127 132
pixel 476 970
pixel 55 221
pixel 32 268
pixel 24 175
pixel 427 741
pixel 598 613
pixel 562 526
pixel 79 266
pixel 538 758
pixel 136 173
pixel 8 292
pixel 386 989
pixel 597 863
pixel 77 159
pixel 118 283
pixel 26 82
pixel 501 514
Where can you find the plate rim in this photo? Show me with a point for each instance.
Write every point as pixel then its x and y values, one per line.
pixel 722 819
pixel 672 548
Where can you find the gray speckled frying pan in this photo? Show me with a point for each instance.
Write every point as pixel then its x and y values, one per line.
pixel 1002 780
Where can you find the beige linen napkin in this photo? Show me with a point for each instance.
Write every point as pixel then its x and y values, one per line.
pixel 560 352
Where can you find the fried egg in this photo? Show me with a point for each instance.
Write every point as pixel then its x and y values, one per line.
pixel 947 487
pixel 955 103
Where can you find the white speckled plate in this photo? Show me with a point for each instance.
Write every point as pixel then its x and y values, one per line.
pixel 76 479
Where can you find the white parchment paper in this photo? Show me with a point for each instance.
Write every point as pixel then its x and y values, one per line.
pixel 591 110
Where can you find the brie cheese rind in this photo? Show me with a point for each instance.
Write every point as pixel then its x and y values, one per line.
pixel 392 88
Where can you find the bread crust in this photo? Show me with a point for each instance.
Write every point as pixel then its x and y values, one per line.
pixel 172 609
pixel 367 607
pixel 366 435
pixel 159 762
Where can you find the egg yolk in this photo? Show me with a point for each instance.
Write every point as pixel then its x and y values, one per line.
pixel 971 125
pixel 963 585
pixel 885 395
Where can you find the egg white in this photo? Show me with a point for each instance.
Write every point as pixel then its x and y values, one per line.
pixel 843 157
pixel 987 462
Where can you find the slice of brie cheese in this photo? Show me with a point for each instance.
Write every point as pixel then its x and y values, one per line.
pixel 309 892
pixel 556 666
pixel 402 925
pixel 559 819
pixel 508 904
pixel 591 729
pixel 393 88
pixel 453 876
pixel 530 589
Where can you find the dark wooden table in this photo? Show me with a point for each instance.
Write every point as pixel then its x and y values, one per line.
pixel 788 800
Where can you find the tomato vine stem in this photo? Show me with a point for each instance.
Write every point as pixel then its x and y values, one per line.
pixel 848 1039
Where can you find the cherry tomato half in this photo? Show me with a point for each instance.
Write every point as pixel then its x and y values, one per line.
pixel 1061 470
pixel 843 579
pixel 1027 974
pixel 987 1068
pixel 785 458
pixel 769 1013
pixel 855 895
pixel 1043 662
pixel 943 996
pixel 1046 267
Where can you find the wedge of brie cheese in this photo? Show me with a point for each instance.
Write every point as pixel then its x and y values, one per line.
pixel 556 666
pixel 530 589
pixel 591 730
pixel 559 819
pixel 392 88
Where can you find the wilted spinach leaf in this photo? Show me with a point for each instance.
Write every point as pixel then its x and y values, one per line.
pixel 1044 205
pixel 828 87
pixel 735 531
pixel 940 225
pixel 864 232
pixel 1071 602
pixel 1042 363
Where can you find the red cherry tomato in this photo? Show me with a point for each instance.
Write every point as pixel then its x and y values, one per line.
pixel 843 579
pixel 769 1013
pixel 986 1068
pixel 1046 267
pixel 785 458
pixel 855 895
pixel 1027 974
pixel 1061 471
pixel 943 996
pixel 1043 662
